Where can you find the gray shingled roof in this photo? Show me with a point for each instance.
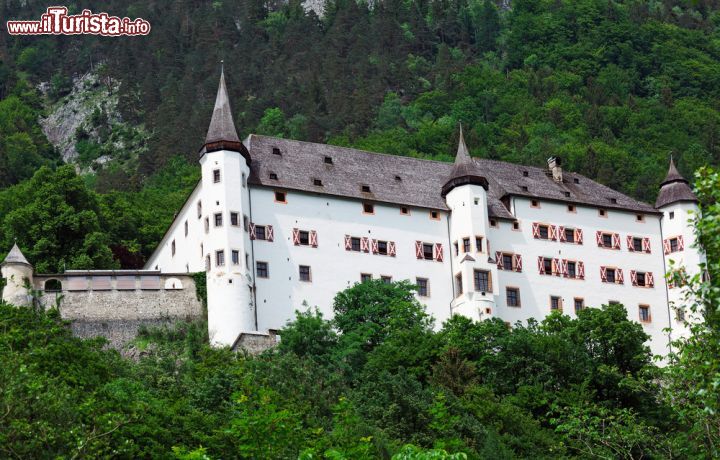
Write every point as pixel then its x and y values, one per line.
pixel 674 188
pixel 411 181
pixel 222 126
pixel 15 256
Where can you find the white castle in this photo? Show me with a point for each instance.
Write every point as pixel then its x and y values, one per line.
pixel 278 224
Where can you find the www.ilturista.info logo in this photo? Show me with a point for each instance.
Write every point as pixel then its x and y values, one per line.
pixel 57 22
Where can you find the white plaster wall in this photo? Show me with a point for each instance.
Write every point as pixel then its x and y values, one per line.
pixel 536 289
pixel 333 268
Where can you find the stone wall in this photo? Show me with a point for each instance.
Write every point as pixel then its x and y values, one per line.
pixel 98 304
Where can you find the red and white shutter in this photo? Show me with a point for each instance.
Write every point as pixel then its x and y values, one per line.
pixel 313 238
pixel 365 244
pixel 630 246
pixel 578 236
pixel 348 242
pixel 374 246
pixel 649 279
pixel 517 260
pixel 598 238
pixel 646 245
pixel 633 277
pixel 438 250
pixel 419 249
pixel 296 236
pixel 581 270
pixel 603 274
pixel 666 246
pixel 564 268
pixel 552 232
pixel 541 265
pixel 681 243
pixel 561 230
pixel 270 233
pixel 252 231
pixel 498 260
pixel 616 240
pixel 536 230
pixel 392 249
pixel 619 276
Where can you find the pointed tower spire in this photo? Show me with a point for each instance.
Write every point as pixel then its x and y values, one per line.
pixel 674 188
pixel 222 134
pixel 15 256
pixel 465 170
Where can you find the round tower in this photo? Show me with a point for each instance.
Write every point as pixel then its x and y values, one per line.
pixel 225 205
pixel 679 206
pixel 18 274
pixel 474 276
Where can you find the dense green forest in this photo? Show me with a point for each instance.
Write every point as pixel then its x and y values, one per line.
pixel 612 87
pixel 376 381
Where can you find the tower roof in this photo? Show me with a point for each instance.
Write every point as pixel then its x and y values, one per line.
pixel 15 256
pixel 222 134
pixel 674 188
pixel 465 170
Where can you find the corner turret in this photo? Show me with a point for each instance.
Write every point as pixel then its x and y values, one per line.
pixel 18 274
pixel 674 189
pixel 465 171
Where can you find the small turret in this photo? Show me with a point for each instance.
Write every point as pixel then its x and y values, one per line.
pixel 18 274
pixel 465 171
pixel 674 189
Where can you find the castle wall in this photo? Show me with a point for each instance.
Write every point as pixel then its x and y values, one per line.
pixel 115 304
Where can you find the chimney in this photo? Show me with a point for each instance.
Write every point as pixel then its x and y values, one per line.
pixel 555 165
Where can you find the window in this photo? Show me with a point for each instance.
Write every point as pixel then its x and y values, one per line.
pixel 567 194
pixel 172 247
pixel 555 303
pixel 466 244
pixel 280 197
pixel 276 151
pixel 423 287
pixel 673 245
pixel 570 235
pixel 613 200
pixel 602 213
pixel 235 257
pixel 637 244
pixel 262 269
pixel 234 219
pixel 516 225
pixel 207 263
pixel 427 251
pixel 199 209
pixel 544 232
pixel 535 204
pixel 640 279
pixel 218 219
pixel 368 208
pixel 382 247
pixel 644 311
pixel 398 178
pixel 273 176
pixel 458 284
pixel 493 223
pixel 317 183
pixel 365 277
pixel 365 188
pixel 525 174
pixel 434 215
pixel 671 215
pixel 571 208
pixel 244 180
pixel 207 224
pixel 404 210
pixel 386 279
pixel 304 236
pixel 512 296
pixel 260 232
pixel 456 247
pixel 547 266
pixel 524 188
pixel 610 275
pixel 328 160
pixel 478 243
pixel 186 228
pixel 507 261
pixel 202 250
pixel 482 281
pixel 219 258
pixel 355 244
pixel 640 218
pixel 216 176
pixel 579 304
pixel 571 269
pixel 576 180
pixel 304 272
pixel 477 201
pixel 607 240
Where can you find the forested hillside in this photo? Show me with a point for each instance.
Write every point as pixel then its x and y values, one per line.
pixel 612 87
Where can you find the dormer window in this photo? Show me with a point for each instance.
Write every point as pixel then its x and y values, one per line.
pixel 328 160
pixel 576 180
pixel 567 194
pixel 365 188
pixel 398 179
pixel 525 174
pixel 276 151
pixel 273 176
pixel 613 200
pixel 524 188
pixel 317 182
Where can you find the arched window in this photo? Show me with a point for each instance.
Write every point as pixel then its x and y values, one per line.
pixel 53 285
